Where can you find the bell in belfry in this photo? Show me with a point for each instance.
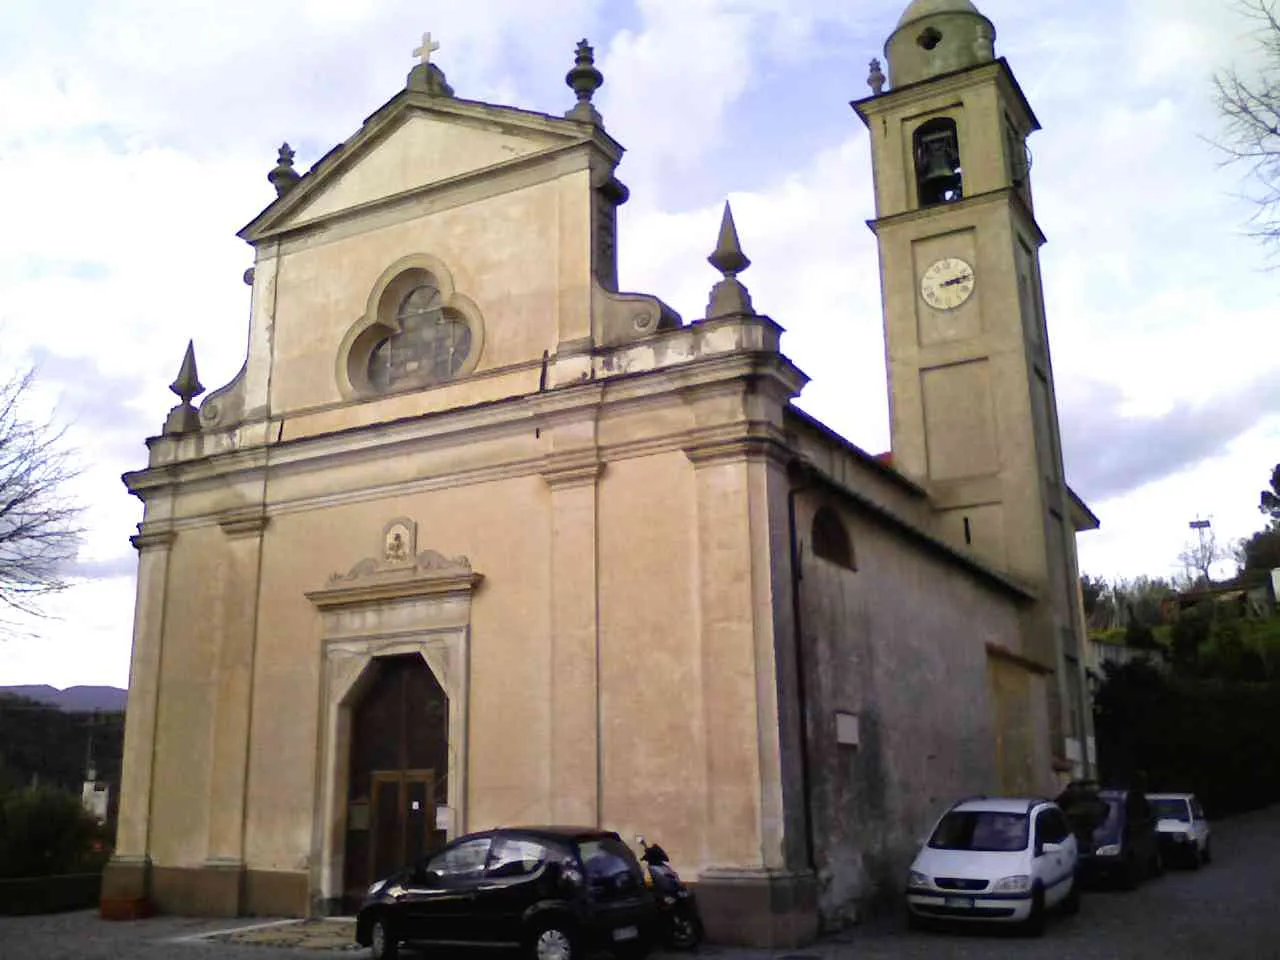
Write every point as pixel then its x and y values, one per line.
pixel 938 167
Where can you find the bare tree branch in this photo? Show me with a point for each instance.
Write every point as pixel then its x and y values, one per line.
pixel 1250 108
pixel 39 524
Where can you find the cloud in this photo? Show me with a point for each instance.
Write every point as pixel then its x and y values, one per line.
pixel 108 568
pixel 1109 454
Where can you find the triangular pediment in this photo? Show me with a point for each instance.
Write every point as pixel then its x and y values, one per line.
pixel 412 143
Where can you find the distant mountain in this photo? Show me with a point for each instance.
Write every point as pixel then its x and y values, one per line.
pixel 84 699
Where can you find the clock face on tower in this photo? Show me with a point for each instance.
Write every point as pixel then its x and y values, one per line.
pixel 947 283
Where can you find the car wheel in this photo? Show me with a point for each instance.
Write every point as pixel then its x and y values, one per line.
pixel 553 941
pixel 1033 926
pixel 1207 857
pixel 1071 903
pixel 383 944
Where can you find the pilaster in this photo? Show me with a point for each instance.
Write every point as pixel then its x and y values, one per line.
pixel 133 828
pixel 744 815
pixel 574 731
pixel 234 693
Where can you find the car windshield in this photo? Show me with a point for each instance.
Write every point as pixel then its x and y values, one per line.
pixel 1095 817
pixel 610 865
pixel 1170 808
pixel 983 830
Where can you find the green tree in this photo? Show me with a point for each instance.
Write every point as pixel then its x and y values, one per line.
pixel 1270 502
pixel 1260 551
pixel 45 831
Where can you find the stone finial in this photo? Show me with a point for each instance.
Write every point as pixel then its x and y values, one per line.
pixel 183 418
pixel 283 176
pixel 584 80
pixel 729 297
pixel 875 79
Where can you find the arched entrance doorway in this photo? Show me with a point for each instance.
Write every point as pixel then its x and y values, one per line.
pixel 395 641
pixel 398 764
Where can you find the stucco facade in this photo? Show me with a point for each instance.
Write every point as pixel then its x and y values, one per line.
pixel 653 595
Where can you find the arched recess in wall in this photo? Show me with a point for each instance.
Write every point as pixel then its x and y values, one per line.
pixel 830 538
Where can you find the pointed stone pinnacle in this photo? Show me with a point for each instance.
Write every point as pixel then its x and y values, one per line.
pixel 187 385
pixel 729 298
pixel 728 257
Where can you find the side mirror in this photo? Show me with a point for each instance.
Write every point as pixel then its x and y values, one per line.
pixel 1049 847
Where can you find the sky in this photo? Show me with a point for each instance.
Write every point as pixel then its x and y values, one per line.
pixel 136 136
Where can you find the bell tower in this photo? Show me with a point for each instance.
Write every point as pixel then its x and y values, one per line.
pixel 972 411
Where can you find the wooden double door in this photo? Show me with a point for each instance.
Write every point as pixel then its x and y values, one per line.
pixel 397 770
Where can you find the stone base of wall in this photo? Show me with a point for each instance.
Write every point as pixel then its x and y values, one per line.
pixel 135 889
pixel 125 908
pixel 125 889
pixel 758 908
pixel 276 893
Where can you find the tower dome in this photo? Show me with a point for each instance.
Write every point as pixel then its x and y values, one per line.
pixel 934 37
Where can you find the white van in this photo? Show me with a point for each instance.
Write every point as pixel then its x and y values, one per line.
pixel 996 859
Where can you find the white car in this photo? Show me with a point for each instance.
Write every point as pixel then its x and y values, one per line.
pixel 1183 830
pixel 995 858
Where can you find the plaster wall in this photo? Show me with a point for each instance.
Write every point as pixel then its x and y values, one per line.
pixel 651 674
pixel 503 252
pixel 901 643
pixel 424 149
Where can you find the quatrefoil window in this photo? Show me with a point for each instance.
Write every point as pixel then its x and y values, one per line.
pixel 417 332
pixel 431 347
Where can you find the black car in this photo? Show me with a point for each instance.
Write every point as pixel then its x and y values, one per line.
pixel 1115 831
pixel 556 892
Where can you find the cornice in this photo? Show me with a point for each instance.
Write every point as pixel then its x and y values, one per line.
pixel 401 589
pixel 748 442
pixel 152 539
pixel 955 82
pixel 573 469
pixel 1009 195
pixel 244 523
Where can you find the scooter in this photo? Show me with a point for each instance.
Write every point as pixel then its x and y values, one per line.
pixel 682 927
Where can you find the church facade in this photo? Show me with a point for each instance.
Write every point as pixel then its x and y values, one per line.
pixel 475 539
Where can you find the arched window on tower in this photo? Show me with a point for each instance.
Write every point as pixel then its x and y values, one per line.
pixel 939 178
pixel 831 539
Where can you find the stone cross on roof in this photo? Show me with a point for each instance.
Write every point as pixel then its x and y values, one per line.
pixel 424 52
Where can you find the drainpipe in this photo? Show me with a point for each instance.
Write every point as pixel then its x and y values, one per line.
pixel 796 486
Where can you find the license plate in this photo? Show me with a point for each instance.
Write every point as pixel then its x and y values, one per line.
pixel 626 933
pixel 962 903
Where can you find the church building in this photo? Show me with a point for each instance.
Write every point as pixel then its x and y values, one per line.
pixel 475 538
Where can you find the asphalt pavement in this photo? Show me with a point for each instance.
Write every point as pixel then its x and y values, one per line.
pixel 1229 909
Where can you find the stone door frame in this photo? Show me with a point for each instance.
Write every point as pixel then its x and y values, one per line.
pixel 415 604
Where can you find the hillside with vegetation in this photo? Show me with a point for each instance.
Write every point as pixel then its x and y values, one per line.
pixel 1192 704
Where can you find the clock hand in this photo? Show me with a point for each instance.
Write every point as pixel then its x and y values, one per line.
pixel 954 280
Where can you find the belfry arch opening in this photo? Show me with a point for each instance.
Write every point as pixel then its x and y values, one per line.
pixel 936 148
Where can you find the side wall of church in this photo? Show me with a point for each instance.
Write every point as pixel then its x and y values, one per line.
pixel 898 641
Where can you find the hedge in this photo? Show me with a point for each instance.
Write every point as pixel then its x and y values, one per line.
pixel 1215 738
pixel 73 891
